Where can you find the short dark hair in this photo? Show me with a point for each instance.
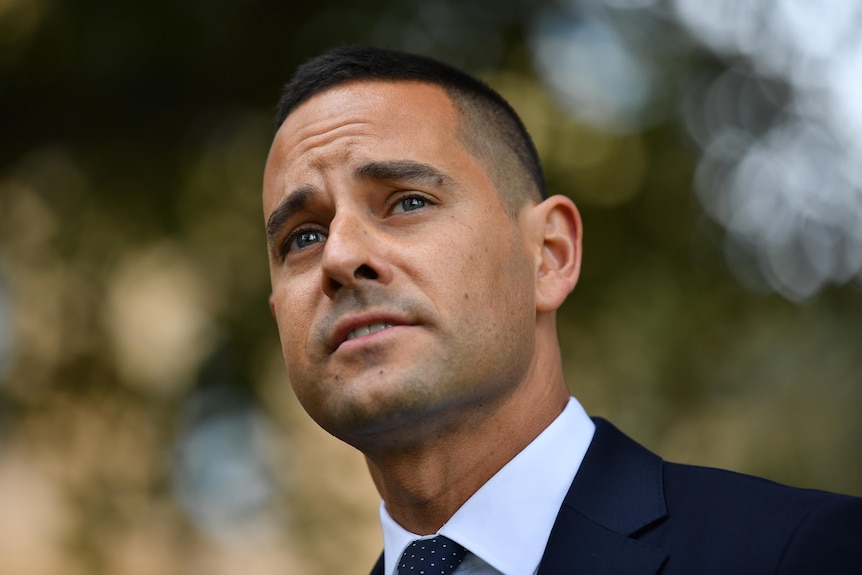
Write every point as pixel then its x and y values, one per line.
pixel 490 129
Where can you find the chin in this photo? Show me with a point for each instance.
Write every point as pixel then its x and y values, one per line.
pixel 398 425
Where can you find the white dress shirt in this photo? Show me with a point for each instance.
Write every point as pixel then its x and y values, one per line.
pixel 505 525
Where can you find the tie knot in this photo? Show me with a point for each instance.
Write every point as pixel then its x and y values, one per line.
pixel 436 556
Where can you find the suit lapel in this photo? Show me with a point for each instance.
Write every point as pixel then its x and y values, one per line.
pixel 617 492
pixel 378 567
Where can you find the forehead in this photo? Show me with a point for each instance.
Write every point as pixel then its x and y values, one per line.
pixel 395 97
pixel 361 121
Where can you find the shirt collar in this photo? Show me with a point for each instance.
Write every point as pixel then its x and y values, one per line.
pixel 511 537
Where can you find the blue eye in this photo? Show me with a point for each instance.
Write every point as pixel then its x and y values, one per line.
pixel 409 204
pixel 304 239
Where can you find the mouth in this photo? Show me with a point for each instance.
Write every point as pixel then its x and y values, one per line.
pixel 367 330
pixel 357 327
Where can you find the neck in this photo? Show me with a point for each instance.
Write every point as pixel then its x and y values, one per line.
pixel 425 483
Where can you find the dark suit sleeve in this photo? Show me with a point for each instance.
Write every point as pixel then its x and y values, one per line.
pixel 827 540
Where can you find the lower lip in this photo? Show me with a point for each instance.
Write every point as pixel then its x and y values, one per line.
pixel 370 338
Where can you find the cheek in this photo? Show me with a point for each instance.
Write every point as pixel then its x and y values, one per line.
pixel 293 308
pixel 492 283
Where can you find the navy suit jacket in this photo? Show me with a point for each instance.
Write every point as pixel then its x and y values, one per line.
pixel 630 512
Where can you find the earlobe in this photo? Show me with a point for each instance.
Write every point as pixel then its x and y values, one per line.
pixel 559 263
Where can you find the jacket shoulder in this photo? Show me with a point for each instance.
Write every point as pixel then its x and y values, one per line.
pixel 709 520
pixel 757 523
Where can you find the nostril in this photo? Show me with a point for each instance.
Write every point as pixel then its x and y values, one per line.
pixel 365 272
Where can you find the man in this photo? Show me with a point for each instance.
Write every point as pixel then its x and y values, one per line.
pixel 417 266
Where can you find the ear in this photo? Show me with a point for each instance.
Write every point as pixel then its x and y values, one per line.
pixel 558 231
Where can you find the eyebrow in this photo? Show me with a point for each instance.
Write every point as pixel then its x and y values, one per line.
pixel 403 170
pixel 393 170
pixel 290 205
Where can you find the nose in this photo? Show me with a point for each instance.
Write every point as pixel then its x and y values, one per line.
pixel 352 255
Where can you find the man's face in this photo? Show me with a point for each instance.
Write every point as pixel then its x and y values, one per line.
pixel 404 293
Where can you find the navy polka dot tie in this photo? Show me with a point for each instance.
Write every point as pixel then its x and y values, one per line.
pixel 435 556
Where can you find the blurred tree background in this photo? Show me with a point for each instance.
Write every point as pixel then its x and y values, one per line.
pixel 146 422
